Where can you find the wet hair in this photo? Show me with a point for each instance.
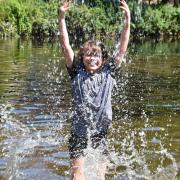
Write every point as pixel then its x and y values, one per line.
pixel 93 46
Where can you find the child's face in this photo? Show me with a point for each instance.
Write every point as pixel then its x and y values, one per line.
pixel 92 60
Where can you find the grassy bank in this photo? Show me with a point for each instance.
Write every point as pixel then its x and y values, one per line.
pixel 39 19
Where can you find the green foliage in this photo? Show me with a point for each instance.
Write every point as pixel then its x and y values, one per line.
pixel 25 17
pixel 95 17
pixel 162 20
pixel 14 16
pixel 88 22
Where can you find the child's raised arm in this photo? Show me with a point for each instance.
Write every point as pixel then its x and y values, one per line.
pixel 124 39
pixel 64 38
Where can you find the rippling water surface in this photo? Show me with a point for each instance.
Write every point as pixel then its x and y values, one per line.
pixel 35 109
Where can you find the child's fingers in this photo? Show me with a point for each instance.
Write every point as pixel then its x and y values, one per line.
pixel 68 3
pixel 122 7
pixel 64 2
pixel 124 3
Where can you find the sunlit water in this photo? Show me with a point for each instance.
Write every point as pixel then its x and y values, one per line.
pixel 35 110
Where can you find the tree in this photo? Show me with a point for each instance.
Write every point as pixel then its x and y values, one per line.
pixel 176 2
pixel 164 1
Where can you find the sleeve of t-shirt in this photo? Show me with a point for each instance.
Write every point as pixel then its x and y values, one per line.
pixel 72 71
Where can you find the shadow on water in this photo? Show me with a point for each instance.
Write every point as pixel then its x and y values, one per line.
pixel 35 109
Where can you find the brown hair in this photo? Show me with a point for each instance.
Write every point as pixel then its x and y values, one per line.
pixel 94 46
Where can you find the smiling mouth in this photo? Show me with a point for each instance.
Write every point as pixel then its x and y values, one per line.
pixel 94 62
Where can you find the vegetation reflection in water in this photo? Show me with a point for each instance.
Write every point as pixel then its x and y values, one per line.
pixel 35 114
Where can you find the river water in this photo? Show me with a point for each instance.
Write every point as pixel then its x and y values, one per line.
pixel 35 110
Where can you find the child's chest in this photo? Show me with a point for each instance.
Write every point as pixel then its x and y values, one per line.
pixel 89 85
pixel 92 82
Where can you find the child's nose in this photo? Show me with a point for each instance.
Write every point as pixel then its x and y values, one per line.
pixel 92 57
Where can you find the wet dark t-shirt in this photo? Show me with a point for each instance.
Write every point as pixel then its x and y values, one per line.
pixel 91 98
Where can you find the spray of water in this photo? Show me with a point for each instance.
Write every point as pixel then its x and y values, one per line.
pixel 22 142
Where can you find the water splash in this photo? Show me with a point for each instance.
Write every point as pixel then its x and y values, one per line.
pixel 132 158
pixel 23 142
pixel 31 134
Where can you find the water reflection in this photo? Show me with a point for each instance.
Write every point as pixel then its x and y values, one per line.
pixel 35 101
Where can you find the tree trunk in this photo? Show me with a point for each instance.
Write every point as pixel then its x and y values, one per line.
pixel 176 2
pixel 164 1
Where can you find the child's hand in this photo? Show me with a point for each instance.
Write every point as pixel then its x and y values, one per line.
pixel 124 6
pixel 64 7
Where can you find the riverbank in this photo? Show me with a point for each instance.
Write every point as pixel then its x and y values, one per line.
pixel 40 19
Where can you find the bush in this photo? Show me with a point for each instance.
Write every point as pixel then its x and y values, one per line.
pixel 163 20
pixel 28 17
pixel 86 22
pixel 97 18
pixel 14 15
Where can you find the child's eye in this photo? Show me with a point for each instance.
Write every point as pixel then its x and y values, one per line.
pixel 94 54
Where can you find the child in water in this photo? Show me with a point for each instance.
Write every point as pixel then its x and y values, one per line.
pixel 92 84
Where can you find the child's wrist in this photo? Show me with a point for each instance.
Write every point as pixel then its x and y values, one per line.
pixel 128 17
pixel 127 21
pixel 62 15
